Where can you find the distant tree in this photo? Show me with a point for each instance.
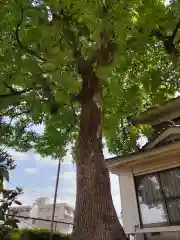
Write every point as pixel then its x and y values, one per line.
pixel 81 68
pixel 7 197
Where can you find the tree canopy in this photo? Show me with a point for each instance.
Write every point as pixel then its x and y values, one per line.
pixel 41 45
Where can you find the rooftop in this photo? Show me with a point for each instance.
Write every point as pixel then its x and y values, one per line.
pixel 157 114
pixel 163 141
pixel 140 157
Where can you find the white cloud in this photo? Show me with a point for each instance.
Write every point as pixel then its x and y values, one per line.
pixel 31 194
pixel 71 191
pixel 106 152
pixel 17 155
pixel 38 128
pixel 50 160
pixel 53 178
pixel 45 160
pixel 68 194
pixel 30 170
pixel 68 175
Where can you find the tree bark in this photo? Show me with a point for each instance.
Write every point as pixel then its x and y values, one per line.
pixel 95 215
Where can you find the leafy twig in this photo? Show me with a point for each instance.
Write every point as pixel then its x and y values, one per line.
pixel 30 51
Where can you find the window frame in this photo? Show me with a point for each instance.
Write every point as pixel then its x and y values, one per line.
pixel 164 200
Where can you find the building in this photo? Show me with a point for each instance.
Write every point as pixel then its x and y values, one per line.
pixel 63 213
pixel 150 177
pixel 42 209
pixel 22 211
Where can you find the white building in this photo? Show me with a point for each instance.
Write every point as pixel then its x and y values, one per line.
pixel 43 209
pixel 22 211
pixel 150 177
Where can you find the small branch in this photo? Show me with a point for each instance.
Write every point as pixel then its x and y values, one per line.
pixel 174 33
pixel 48 93
pixel 168 41
pixel 69 129
pixel 9 87
pixel 68 34
pixel 30 125
pixel 15 93
pixel 21 113
pixel 67 21
pixel 107 49
pixel 158 34
pixel 28 50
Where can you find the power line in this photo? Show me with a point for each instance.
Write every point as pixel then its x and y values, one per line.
pixel 21 221
pixel 41 219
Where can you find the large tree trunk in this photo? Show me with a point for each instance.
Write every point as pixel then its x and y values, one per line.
pixel 95 215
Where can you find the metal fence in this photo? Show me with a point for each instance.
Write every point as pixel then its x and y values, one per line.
pixel 36 223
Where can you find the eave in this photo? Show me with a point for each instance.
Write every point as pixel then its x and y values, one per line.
pixel 141 157
pixel 158 114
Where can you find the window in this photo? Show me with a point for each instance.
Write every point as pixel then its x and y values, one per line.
pixel 158 196
pixel 33 221
pixel 68 211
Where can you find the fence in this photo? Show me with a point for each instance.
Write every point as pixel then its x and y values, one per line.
pixel 35 222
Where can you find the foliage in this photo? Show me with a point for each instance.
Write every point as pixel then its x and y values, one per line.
pixel 7 197
pixel 51 51
pixel 36 234
pixel 41 45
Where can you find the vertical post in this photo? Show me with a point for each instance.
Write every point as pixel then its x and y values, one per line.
pixel 55 197
pixel 56 227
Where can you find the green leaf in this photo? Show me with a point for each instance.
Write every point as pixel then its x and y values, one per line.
pixel 4 173
pixel 2 218
pixel 17 202
pixel 50 50
pixel 12 222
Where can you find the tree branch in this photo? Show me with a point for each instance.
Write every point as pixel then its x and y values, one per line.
pixel 67 22
pixel 28 50
pixel 168 41
pixel 20 113
pixel 174 33
pixel 158 34
pixel 48 92
pixel 105 55
pixel 9 87
pixel 15 93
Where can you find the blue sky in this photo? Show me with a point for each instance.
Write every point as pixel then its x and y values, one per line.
pixel 37 177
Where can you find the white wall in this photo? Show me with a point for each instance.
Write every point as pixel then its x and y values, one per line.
pixel 128 200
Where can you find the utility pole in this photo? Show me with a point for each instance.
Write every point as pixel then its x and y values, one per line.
pixel 55 198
